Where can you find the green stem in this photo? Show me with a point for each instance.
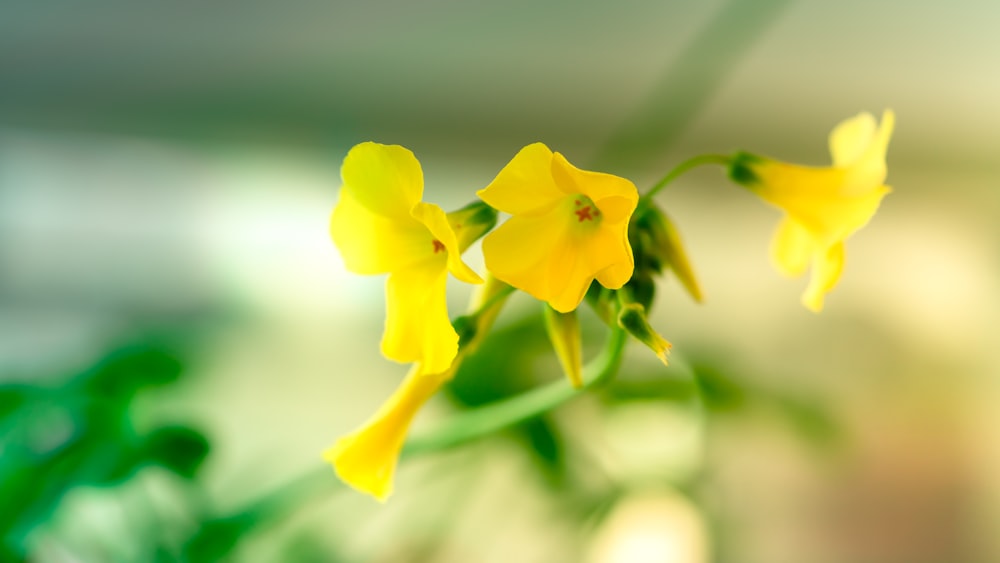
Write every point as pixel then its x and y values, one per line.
pixel 479 422
pixel 221 535
pixel 493 300
pixel 464 427
pixel 679 170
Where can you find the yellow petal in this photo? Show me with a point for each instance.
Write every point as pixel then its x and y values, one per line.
pixel 851 138
pixel 598 186
pixel 538 255
pixel 880 144
pixel 518 252
pixel 366 458
pixel 385 179
pixel 616 275
pixel 792 248
pixel 545 257
pixel 836 219
pixel 869 169
pixel 824 206
pixel 616 209
pixel 791 185
pixel 435 220
pixel 569 226
pixel 374 244
pixel 569 276
pixel 525 184
pixel 827 267
pixel 417 328
pixel 824 200
pixel 610 255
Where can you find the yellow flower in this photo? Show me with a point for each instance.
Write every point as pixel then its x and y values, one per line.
pixel 823 206
pixel 568 227
pixel 366 458
pixel 381 226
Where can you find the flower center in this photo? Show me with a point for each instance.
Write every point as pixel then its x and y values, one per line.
pixel 584 210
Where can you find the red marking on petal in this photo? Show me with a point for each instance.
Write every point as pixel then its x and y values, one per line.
pixel 583 214
pixel 438 246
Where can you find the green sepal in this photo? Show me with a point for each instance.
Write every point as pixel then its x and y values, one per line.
pixel 471 222
pixel 632 318
pixel 741 169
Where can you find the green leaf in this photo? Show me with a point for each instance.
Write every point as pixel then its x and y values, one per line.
pixel 216 538
pixel 178 448
pixel 133 367
pixel 811 419
pixel 12 398
pixel 718 391
pixel 501 368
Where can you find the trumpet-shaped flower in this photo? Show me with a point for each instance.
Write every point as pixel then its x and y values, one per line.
pixel 381 226
pixel 568 227
pixel 823 206
pixel 366 458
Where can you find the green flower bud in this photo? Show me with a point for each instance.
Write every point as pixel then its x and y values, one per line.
pixel 662 242
pixel 632 318
pixel 471 222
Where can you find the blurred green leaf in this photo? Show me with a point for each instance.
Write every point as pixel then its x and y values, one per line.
pixel 216 538
pixel 132 367
pixel 178 448
pixel 719 391
pixel 688 84
pixel 545 442
pixel 812 419
pixel 12 398
pixel 664 388
pixel 82 434
pixel 724 392
pixel 307 548
pixel 501 368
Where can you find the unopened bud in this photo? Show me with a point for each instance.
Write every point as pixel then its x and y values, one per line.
pixel 564 332
pixel 472 222
pixel 632 318
pixel 666 245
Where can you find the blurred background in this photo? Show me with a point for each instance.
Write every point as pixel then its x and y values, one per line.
pixel 179 339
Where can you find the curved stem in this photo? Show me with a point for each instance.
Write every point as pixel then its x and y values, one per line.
pixel 222 533
pixel 485 420
pixel 493 300
pixel 677 171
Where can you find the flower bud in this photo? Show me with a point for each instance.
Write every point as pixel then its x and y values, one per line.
pixel 662 242
pixel 564 332
pixel 632 318
pixel 472 222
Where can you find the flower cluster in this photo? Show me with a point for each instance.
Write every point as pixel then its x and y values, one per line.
pixel 572 234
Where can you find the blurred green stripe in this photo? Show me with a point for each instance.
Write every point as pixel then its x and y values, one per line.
pixel 688 84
